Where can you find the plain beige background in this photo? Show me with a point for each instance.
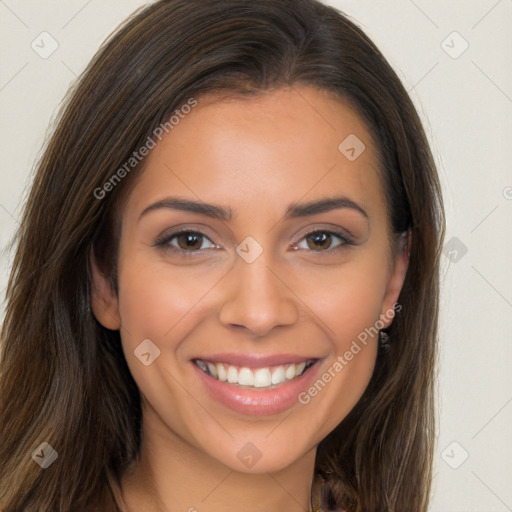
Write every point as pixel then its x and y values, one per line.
pixel 455 59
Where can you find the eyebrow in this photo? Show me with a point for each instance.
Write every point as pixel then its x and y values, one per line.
pixel 295 210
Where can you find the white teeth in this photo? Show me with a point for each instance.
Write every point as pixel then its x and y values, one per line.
pixel 262 378
pixel 221 372
pixel 232 375
pixel 257 378
pixel 212 369
pixel 279 375
pixel 290 372
pixel 245 377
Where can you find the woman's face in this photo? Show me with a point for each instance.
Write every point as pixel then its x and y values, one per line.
pixel 283 261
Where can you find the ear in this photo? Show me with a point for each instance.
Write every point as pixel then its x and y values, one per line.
pixel 396 280
pixel 104 301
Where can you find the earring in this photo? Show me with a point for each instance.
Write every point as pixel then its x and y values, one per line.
pixel 384 341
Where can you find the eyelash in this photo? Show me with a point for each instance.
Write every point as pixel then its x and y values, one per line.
pixel 163 242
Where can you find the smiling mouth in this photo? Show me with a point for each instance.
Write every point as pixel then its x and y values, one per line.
pixel 262 378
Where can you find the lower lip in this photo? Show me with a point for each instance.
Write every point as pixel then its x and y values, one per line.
pixel 246 401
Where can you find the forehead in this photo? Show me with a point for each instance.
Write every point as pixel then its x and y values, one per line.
pixel 276 147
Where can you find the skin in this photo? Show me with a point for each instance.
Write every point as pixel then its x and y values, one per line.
pixel 256 156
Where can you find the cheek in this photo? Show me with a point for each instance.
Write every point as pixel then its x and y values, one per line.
pixel 163 304
pixel 158 300
pixel 346 299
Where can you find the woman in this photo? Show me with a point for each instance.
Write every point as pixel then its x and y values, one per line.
pixel 225 290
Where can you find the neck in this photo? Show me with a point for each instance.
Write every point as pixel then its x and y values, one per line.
pixel 171 474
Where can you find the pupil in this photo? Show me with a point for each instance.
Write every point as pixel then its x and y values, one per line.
pixel 319 238
pixel 189 241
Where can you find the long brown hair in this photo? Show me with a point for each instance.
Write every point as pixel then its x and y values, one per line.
pixel 63 377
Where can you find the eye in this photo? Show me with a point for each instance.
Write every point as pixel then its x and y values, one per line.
pixel 322 240
pixel 185 241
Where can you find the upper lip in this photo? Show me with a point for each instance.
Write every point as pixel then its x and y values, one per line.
pixel 254 360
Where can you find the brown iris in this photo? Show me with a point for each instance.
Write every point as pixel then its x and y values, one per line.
pixel 319 239
pixel 191 241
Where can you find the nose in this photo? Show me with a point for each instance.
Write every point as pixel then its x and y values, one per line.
pixel 257 297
